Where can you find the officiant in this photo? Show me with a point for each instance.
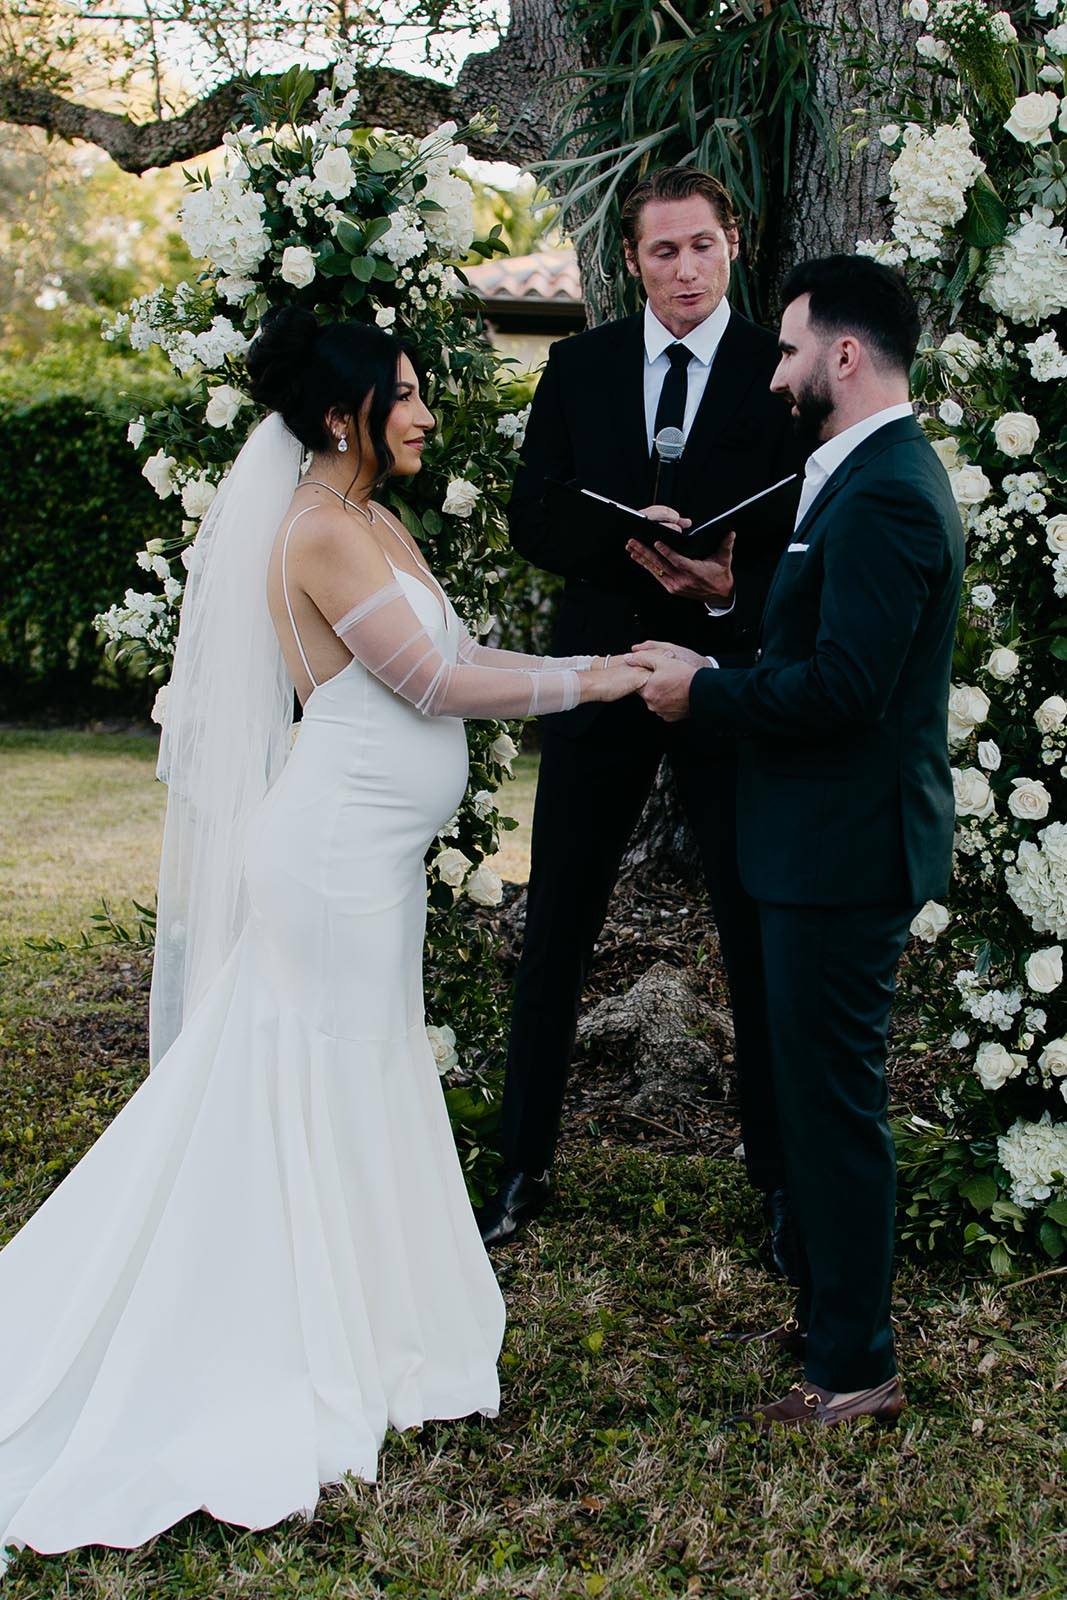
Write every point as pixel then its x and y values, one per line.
pixel 690 369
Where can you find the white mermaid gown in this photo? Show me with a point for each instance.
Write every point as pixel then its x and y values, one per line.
pixel 269 1256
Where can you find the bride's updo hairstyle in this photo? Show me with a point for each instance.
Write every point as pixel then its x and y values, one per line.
pixel 302 368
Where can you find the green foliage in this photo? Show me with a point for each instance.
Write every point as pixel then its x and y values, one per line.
pixel 73 511
pixel 677 85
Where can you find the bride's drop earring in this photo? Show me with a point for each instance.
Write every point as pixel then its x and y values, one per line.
pixel 342 444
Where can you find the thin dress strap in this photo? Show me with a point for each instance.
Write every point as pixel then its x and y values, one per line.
pixel 288 603
pixel 419 563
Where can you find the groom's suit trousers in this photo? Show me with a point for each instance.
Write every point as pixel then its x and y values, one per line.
pixel 590 795
pixel 830 980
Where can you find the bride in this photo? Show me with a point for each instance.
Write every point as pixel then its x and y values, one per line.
pixel 269 1256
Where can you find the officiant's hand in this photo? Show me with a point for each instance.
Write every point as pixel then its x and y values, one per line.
pixel 711 579
pixel 668 516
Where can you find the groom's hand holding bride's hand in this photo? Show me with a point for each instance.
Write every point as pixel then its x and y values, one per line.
pixel 710 580
pixel 666 688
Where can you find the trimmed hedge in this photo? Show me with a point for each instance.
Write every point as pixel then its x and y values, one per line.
pixel 74 511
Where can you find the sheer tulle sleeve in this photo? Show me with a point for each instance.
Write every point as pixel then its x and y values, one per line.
pixel 481 655
pixel 384 634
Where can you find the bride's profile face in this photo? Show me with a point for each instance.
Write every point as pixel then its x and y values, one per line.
pixel 409 422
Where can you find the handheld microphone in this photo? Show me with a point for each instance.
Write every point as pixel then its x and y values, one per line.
pixel 668 444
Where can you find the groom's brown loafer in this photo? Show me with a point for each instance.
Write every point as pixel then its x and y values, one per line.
pixel 807 1406
pixel 788 1337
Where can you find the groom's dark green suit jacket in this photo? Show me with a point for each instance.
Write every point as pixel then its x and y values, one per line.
pixel 845 794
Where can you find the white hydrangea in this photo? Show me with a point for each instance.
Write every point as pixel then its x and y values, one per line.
pixel 995 1007
pixel 452 228
pixel 929 181
pixel 1038 881
pixel 1034 1155
pixel 1027 276
pixel 1048 362
pixel 405 240
pixel 224 225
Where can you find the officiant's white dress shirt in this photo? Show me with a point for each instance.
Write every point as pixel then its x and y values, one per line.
pixel 702 343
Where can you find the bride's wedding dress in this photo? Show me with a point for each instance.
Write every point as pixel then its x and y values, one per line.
pixel 269 1256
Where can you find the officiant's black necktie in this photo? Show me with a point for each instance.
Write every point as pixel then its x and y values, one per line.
pixel 670 413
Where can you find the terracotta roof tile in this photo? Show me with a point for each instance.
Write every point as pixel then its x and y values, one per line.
pixel 544 275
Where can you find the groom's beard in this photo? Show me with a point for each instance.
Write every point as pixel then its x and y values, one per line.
pixel 815 405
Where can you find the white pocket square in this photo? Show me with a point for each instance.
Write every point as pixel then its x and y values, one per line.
pixel 796 547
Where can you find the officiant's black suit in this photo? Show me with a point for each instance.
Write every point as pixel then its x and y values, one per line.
pixel 587 425
pixel 845 824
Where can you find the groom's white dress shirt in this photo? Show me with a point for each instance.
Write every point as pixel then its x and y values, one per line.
pixel 702 342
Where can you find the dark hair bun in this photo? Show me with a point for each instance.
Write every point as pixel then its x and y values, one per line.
pixel 279 356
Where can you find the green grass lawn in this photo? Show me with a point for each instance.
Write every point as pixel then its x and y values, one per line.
pixel 609 1471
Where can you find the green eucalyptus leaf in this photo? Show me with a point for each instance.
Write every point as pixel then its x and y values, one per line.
pixel 362 267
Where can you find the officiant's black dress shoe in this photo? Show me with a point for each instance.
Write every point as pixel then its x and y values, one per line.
pixel 780 1253
pixel 521 1197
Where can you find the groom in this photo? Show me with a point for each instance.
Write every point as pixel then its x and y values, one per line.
pixel 689 363
pixel 845 804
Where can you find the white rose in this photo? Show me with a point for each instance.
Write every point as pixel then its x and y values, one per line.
pixel 460 498
pixel 989 755
pixel 951 413
pixel 917 10
pixel 967 707
pixel 298 265
pixel 1056 40
pixel 890 133
pixel 223 404
pixel 1032 116
pixel 994 1065
pixel 1003 28
pixel 947 452
pixel 1002 664
pixel 159 705
pixel 983 598
pixel 931 49
pixel 442 1042
pixel 970 485
pixel 483 803
pixel 135 432
pixel 1029 799
pixel 1050 713
pixel 930 921
pixel 1053 1058
pixel 1056 534
pixel 1016 433
pixel 960 355
pixel 451 867
pixel 157 469
pixel 504 749
pixel 484 887
pixel 1044 969
pixel 974 797
pixel 197 496
pixel 385 316
pixel 334 173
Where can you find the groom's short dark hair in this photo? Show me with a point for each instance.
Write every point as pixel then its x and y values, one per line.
pixel 853 294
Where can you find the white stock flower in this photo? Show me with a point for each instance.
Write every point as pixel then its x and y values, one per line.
pixel 223 404
pixel 951 413
pixel 197 496
pixel 928 183
pixel 461 498
pixel 1027 274
pixel 983 598
pixel 932 920
pixel 1016 433
pixel 1002 664
pixel 442 1042
pixel 969 485
pixel 1032 116
pixel 135 432
pixel 1034 1155
pixel 1053 1058
pixel 993 1065
pixel 967 707
pixel 504 750
pixel 989 755
pixel 159 705
pixel 974 797
pixel 1044 969
pixel 1056 534
pixel 385 316
pixel 451 867
pixel 1038 881
pixel 1029 800
pixel 959 354
pixel 484 886
pixel 1048 362
pixel 158 469
pixel 297 266
pixel 1050 714
pixel 334 173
